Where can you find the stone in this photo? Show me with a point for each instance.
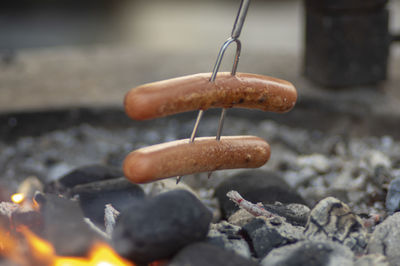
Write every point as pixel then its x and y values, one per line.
pixel 228 237
pixel 310 253
pixel 317 162
pixel 201 254
pixel 255 186
pixel 386 239
pixel 267 234
pixel 93 197
pixel 156 228
pixel 333 220
pixel 393 196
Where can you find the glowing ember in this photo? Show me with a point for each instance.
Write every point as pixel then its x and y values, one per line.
pixel 18 198
pixel 41 252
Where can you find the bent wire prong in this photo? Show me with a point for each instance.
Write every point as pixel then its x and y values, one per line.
pixel 237 28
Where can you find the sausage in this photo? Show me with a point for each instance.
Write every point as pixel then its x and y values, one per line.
pixel 196 92
pixel 177 158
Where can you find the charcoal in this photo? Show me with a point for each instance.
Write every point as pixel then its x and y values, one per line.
pixel 265 236
pixel 31 219
pixel 156 228
pixel 64 227
pixel 255 186
pixel 311 253
pixel 228 237
pixel 84 175
pixel 93 197
pixel 296 214
pixel 200 254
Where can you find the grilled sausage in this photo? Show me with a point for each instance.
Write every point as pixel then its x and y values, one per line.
pixel 196 92
pixel 205 154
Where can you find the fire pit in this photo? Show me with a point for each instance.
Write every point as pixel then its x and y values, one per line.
pixel 329 193
pixel 82 164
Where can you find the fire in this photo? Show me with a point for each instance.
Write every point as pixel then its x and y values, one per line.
pixel 41 252
pixel 18 198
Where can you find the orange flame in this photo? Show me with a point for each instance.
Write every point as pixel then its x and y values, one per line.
pixel 42 252
pixel 18 198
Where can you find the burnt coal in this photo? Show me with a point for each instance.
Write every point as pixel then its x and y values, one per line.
pixel 312 253
pixel 64 226
pixel 200 254
pixel 84 175
pixel 31 219
pixel 263 238
pixel 255 186
pixel 156 228
pixel 93 197
pixel 296 214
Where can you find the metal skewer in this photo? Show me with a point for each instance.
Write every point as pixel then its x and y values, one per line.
pixel 237 28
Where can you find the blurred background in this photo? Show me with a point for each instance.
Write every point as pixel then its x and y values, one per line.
pixel 61 54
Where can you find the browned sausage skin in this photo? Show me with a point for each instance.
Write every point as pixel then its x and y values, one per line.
pixel 196 92
pixel 205 154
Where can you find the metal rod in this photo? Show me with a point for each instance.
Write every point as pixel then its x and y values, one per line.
pixel 237 29
pixel 240 17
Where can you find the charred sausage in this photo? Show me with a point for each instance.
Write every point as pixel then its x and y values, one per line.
pixel 205 154
pixel 196 92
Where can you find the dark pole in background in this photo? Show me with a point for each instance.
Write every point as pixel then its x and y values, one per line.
pixel 346 42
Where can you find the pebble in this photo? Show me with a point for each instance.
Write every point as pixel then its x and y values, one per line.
pixel 393 196
pixel 376 158
pixel 318 162
pixel 310 253
pixel 228 236
pixel 386 239
pixel 267 234
pixel 201 254
pixel 156 228
pixel 255 186
pixel 333 220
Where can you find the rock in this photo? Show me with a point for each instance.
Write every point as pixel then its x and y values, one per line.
pixel 310 253
pixel 84 175
pixel 64 227
pixel 393 196
pixel 372 260
pixel 228 237
pixel 93 197
pixel 267 234
pixel 375 158
pixel 386 239
pixel 317 162
pixel 201 254
pixel 156 228
pixel 333 220
pixel 255 186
